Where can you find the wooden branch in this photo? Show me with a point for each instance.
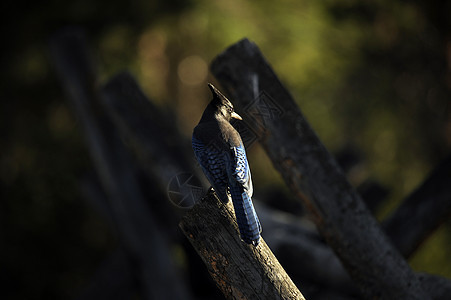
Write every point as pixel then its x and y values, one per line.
pixel 113 280
pixel 300 250
pixel 151 136
pixel 241 271
pixel 150 131
pixel 313 175
pixel 438 287
pixel 145 244
pixel 422 212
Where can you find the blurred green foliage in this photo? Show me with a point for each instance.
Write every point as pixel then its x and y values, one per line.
pixel 373 76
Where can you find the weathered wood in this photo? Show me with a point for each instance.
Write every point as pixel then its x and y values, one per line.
pixel 241 271
pixel 150 131
pixel 113 280
pixel 313 175
pixel 422 212
pixel 438 287
pixel 305 256
pixel 151 136
pixel 143 241
pixel 300 249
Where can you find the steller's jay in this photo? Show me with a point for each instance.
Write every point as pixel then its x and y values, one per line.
pixel 220 152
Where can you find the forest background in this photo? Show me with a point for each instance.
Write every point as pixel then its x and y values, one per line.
pixel 373 78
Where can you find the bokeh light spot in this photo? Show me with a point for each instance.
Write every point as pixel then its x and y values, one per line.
pixel 192 70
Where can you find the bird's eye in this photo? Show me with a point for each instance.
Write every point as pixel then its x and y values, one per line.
pixel 229 110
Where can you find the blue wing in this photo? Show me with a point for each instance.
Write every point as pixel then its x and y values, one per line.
pixel 240 185
pixel 213 164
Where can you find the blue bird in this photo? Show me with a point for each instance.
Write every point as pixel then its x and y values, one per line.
pixel 220 152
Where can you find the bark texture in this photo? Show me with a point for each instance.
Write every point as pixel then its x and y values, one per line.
pixel 241 271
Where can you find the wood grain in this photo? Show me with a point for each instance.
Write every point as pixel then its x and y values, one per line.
pixel 241 271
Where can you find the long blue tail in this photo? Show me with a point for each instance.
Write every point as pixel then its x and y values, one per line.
pixel 246 217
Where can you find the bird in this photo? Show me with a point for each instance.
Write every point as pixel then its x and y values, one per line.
pixel 218 148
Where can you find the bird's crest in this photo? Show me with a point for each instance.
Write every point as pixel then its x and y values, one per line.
pixel 218 96
pixel 219 105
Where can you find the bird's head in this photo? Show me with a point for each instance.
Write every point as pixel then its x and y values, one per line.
pixel 222 105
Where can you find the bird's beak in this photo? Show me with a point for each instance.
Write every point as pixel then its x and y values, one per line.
pixel 236 116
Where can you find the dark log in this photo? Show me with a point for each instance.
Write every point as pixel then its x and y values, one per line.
pixel 306 257
pixel 301 250
pixel 144 243
pixel 150 135
pixel 150 131
pixel 438 287
pixel 313 175
pixel 422 212
pixel 114 277
pixel 113 280
pixel 241 271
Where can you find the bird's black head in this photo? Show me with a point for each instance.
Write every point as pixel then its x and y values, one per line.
pixel 221 105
